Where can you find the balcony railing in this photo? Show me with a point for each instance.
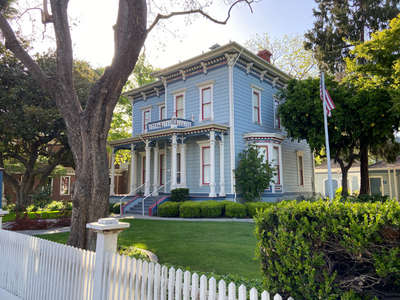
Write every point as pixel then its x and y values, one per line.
pixel 169 123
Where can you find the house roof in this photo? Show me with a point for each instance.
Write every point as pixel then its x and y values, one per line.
pixel 247 57
pixel 384 164
pixel 335 165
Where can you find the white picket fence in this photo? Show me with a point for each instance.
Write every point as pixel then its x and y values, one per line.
pixel 33 268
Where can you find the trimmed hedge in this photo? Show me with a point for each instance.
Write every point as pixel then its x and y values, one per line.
pixel 179 195
pixel 252 207
pixel 116 207
pixel 169 209
pixel 235 210
pixel 210 209
pixel 331 250
pixel 33 215
pixel 190 209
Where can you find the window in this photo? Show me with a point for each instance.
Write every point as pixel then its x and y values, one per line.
pixel 162 169
pixel 263 150
pixel 277 119
pixel 256 103
pixel 179 102
pixel 144 170
pixel 146 116
pixel 205 157
pixel 256 107
pixel 275 163
pixel 65 182
pixel 162 112
pixel 206 100
pixel 178 168
pixel 300 167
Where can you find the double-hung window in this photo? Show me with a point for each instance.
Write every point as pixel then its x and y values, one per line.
pixel 162 169
pixel 161 110
pixel 256 104
pixel 179 102
pixel 300 167
pixel 65 183
pixel 205 165
pixel 206 100
pixel 276 165
pixel 277 119
pixel 146 117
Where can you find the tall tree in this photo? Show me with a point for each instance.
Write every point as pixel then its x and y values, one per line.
pixel 88 127
pixel 33 133
pixel 359 116
pixel 337 23
pixel 288 54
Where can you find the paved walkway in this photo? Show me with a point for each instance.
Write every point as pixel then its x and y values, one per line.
pixel 131 216
pixel 4 295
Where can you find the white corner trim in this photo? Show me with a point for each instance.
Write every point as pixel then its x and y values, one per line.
pixel 182 90
pixel 146 107
pixel 256 87
pixel 208 82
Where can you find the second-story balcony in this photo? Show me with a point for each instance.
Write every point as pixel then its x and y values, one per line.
pixel 169 123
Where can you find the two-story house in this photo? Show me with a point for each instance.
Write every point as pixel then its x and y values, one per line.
pixel 189 126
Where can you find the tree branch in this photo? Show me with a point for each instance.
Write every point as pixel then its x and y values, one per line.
pixel 198 11
pixel 13 45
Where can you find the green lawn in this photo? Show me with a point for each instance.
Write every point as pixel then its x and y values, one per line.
pixel 219 247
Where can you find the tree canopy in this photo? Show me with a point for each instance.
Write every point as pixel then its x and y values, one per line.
pixel 33 134
pixel 288 54
pixel 361 118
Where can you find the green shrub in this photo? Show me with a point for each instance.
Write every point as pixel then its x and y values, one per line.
pixel 110 208
pixel 190 209
pixel 224 204
pixel 372 199
pixel 54 205
pixel 169 209
pixel 179 195
pixel 253 207
pixel 45 215
pixel 331 250
pixel 14 207
pixel 211 209
pixel 42 194
pixel 235 210
pixel 116 207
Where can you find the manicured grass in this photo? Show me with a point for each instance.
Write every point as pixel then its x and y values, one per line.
pixel 219 247
pixel 33 215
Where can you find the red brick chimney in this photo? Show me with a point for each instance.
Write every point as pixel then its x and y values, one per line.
pixel 265 54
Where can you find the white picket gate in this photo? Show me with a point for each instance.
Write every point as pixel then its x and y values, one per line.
pixel 33 268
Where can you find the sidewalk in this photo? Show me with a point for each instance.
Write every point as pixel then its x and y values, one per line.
pixel 4 295
pixel 131 216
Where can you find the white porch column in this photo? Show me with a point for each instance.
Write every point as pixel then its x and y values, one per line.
pixel 165 164
pixel 183 165
pixel 221 167
pixel 156 170
pixel 147 180
pixel 112 172
pixel 174 162
pixel 133 168
pixel 212 165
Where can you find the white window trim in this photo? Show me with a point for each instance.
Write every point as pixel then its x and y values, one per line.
pixel 275 98
pixel 177 93
pixel 142 155
pixel 256 89
pixel 148 108
pixel 300 154
pixel 69 186
pixel 161 105
pixel 202 144
pixel 202 86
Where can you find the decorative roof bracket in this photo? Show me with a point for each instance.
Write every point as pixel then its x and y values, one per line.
pixel 183 72
pixel 144 95
pixel 204 65
pixel 263 73
pixel 249 65
pixel 157 91
pixel 274 81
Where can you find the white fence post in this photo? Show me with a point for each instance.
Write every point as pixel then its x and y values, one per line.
pixel 107 235
pixel 2 214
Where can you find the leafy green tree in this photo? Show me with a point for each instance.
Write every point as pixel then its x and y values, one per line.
pixel 253 174
pixel 361 119
pixel 33 134
pixel 288 54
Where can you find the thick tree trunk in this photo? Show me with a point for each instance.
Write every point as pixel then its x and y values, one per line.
pixel 364 186
pixel 344 182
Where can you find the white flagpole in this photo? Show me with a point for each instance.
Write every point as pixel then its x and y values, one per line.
pixel 328 155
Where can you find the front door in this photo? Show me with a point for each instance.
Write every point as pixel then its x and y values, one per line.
pixel 376 186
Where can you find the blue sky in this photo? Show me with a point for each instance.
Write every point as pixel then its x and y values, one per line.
pixel 93 35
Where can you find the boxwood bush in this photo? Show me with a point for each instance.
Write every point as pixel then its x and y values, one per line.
pixel 210 209
pixel 331 250
pixel 169 209
pixel 116 207
pixel 224 204
pixel 179 195
pixel 235 210
pixel 252 207
pixel 190 209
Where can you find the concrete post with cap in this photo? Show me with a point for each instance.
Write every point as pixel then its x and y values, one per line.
pixel 107 230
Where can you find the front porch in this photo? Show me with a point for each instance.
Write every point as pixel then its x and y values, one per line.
pixel 170 158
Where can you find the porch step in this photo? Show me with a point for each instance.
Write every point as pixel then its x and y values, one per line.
pixel 137 209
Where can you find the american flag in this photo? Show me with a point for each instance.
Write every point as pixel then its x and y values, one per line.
pixel 329 102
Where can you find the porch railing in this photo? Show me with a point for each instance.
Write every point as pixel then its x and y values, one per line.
pixel 169 123
pixel 130 194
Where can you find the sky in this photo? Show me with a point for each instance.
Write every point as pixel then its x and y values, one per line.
pixel 92 33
